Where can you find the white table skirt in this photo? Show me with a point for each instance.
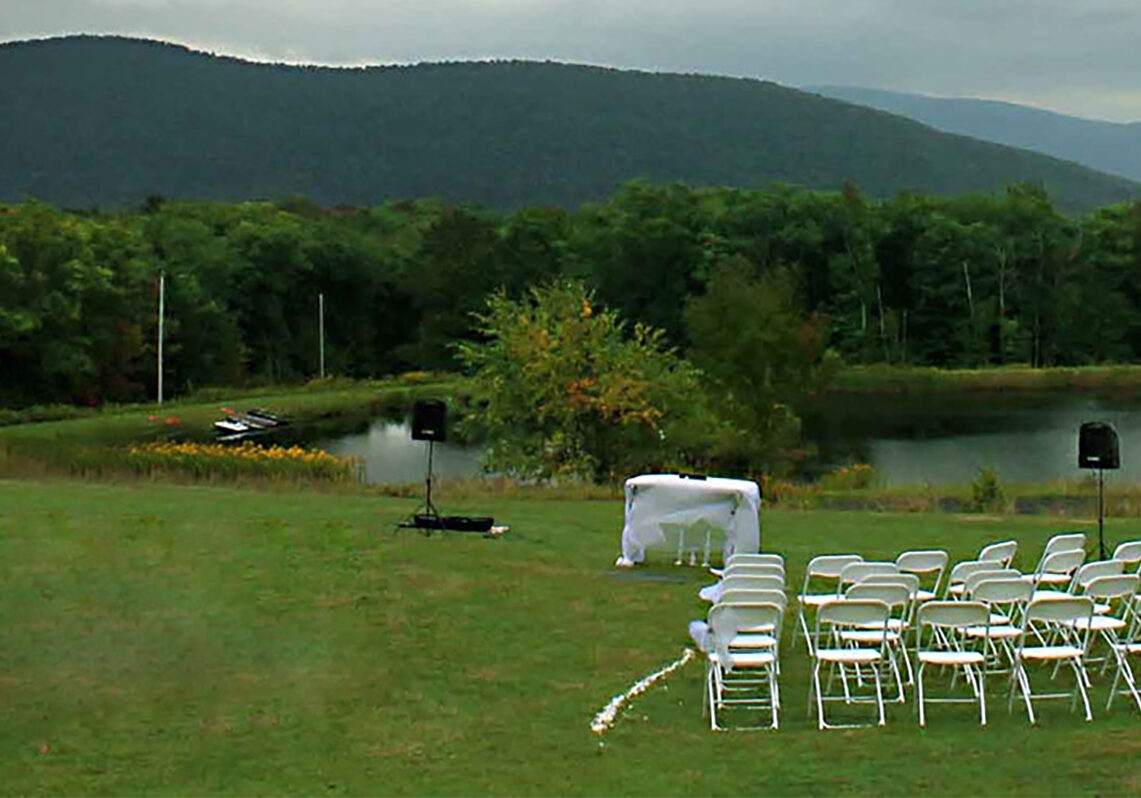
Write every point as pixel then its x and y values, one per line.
pixel 654 501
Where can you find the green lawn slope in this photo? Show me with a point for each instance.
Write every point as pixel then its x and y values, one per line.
pixel 170 640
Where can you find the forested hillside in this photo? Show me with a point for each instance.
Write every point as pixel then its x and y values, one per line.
pixel 107 122
pixel 966 281
pixel 1112 147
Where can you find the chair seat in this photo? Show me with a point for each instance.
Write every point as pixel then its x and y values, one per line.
pixel 1050 652
pixel 816 599
pixel 1054 579
pixel 956 589
pixel 1003 632
pixel 753 641
pixel 745 659
pixel 856 656
pixel 1050 594
pixel 998 619
pixel 1127 648
pixel 867 635
pixel 951 657
pixel 1099 623
pixel 924 595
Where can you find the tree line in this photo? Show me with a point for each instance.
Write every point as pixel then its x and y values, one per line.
pixel 965 281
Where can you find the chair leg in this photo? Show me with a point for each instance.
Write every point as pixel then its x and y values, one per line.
pixel 879 695
pixel 819 696
pixel 1080 676
pixel 919 693
pixel 982 695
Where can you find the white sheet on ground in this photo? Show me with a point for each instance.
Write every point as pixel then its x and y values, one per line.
pixel 658 501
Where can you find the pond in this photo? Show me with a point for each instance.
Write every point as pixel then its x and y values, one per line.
pixel 909 440
pixel 944 440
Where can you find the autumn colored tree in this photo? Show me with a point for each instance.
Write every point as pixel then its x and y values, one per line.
pixel 567 389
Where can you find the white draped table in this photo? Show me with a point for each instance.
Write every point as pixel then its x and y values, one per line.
pixel 655 502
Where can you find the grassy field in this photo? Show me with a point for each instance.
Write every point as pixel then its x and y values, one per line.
pixel 171 640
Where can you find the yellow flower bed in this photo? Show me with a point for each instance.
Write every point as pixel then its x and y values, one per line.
pixel 213 459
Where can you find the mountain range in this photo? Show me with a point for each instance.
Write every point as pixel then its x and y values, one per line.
pixel 109 121
pixel 1112 147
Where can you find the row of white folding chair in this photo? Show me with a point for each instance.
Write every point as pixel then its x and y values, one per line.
pixel 1129 554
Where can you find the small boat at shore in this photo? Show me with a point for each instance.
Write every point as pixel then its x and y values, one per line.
pixel 237 425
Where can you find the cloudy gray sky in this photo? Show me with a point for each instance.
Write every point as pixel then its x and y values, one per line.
pixel 1080 56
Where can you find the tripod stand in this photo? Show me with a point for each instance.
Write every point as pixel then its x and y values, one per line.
pixel 426 517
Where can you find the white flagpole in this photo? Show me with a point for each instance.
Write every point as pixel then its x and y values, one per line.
pixel 321 328
pixel 161 298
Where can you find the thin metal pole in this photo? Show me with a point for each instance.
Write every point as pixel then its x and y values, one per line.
pixel 161 300
pixel 321 329
pixel 1101 513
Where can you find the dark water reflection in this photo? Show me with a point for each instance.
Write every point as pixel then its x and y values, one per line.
pixel 942 440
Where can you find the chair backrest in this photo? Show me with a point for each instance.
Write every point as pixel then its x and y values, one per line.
pixel 922 561
pixel 1059 610
pixel 853 612
pixel 952 614
pixel 892 595
pixel 1002 552
pixel 754 559
pixel 1004 590
pixel 754 569
pixel 828 566
pixel 751 596
pixel 1062 562
pixel 751 582
pixel 929 563
pixel 1128 552
pixel 1095 570
pixel 726 620
pixel 988 573
pixel 1067 541
pixel 961 570
pixel 856 572
pixel 910 581
pixel 1108 588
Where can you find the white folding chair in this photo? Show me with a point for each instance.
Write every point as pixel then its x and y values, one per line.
pixel 939 626
pixel 1128 645
pixel 979 576
pixel 1005 599
pixel 1129 553
pixel 956 580
pixel 1115 594
pixel 827 650
pixel 1057 619
pixel 757 636
pixel 1002 553
pixel 856 572
pixel 1067 541
pixel 742 677
pixel 899 600
pixel 825 567
pixel 1090 571
pixel 1056 571
pixel 924 563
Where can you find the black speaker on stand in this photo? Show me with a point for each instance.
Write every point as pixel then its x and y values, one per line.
pixel 429 423
pixel 1098 448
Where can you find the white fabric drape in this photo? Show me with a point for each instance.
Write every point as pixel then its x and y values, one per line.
pixel 654 501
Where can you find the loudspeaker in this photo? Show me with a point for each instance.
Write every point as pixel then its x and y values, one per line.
pixel 429 420
pixel 1097 446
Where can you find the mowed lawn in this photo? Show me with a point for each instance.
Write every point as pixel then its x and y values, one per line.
pixel 174 640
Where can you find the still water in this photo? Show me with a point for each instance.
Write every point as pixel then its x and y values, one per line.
pixel 940 441
pixel 392 457
pixel 908 440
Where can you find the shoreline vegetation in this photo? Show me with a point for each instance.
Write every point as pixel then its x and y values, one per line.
pixel 92 444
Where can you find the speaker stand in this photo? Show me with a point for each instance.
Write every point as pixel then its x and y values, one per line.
pixel 1101 513
pixel 426 518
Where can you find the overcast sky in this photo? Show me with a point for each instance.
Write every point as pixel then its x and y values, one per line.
pixel 1081 57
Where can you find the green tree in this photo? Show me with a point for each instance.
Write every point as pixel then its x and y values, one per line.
pixel 762 354
pixel 566 390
